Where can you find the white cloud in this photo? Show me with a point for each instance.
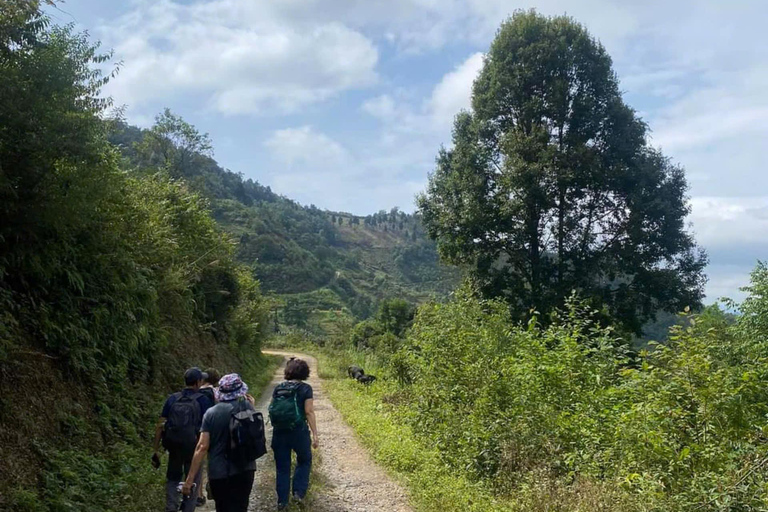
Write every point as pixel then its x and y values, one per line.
pixel 241 59
pixel 312 167
pixel 726 281
pixel 382 107
pixel 722 222
pixel 304 146
pixel 729 106
pixel 453 93
pixel 431 119
pixel 732 230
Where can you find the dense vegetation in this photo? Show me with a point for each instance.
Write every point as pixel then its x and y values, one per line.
pixel 528 417
pixel 551 185
pixel 110 283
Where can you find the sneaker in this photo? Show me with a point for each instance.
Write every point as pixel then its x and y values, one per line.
pixel 201 501
pixel 299 501
pixel 282 506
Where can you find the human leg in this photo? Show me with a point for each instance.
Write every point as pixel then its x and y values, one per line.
pixel 190 502
pixel 240 491
pixel 221 491
pixel 281 449
pixel 302 445
pixel 173 475
pixel 172 497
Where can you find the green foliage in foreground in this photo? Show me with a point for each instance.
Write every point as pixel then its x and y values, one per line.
pixel 560 418
pixel 432 487
pixel 111 283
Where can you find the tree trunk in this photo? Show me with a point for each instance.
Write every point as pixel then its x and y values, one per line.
pixel 534 252
pixel 561 237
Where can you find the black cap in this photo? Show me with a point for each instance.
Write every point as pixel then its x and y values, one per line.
pixel 193 375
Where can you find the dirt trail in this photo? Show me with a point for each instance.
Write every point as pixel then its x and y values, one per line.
pixel 350 480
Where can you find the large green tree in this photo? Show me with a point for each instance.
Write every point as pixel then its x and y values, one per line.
pixel 551 184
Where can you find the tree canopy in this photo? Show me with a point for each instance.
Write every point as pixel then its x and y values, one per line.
pixel 551 185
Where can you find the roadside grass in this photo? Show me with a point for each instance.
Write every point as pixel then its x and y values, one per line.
pixel 258 372
pixel 377 415
pixel 431 486
pixel 370 411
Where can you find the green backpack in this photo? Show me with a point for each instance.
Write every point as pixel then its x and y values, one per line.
pixel 284 411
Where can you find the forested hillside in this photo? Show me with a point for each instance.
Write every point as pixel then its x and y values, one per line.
pixel 111 284
pixel 316 262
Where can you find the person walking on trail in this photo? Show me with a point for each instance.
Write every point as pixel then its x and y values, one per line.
pixel 291 412
pixel 210 383
pixel 232 436
pixel 178 428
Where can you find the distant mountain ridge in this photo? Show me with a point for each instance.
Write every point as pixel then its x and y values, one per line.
pixel 312 259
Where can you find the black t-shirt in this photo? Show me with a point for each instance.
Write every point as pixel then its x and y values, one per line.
pixel 303 393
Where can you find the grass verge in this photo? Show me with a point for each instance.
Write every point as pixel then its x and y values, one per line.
pixel 375 418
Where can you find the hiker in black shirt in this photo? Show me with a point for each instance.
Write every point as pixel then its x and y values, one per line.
pixel 178 428
pixel 210 383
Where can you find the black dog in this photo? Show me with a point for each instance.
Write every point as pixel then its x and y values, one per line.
pixel 355 372
pixel 366 379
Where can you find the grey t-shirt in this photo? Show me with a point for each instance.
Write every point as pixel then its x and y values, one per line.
pixel 216 423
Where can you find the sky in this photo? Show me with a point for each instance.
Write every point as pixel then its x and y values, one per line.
pixel 344 103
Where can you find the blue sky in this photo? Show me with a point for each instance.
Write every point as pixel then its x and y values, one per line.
pixel 344 103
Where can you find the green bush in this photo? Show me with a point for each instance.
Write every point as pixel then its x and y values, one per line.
pixel 563 418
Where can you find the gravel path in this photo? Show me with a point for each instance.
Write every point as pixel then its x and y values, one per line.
pixel 345 478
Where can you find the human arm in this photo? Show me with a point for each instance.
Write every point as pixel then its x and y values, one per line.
pixel 160 425
pixel 200 451
pixel 309 412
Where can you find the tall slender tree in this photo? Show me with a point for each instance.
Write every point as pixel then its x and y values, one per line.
pixel 551 185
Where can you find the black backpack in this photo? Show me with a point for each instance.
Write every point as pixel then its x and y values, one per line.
pixel 247 440
pixel 183 424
